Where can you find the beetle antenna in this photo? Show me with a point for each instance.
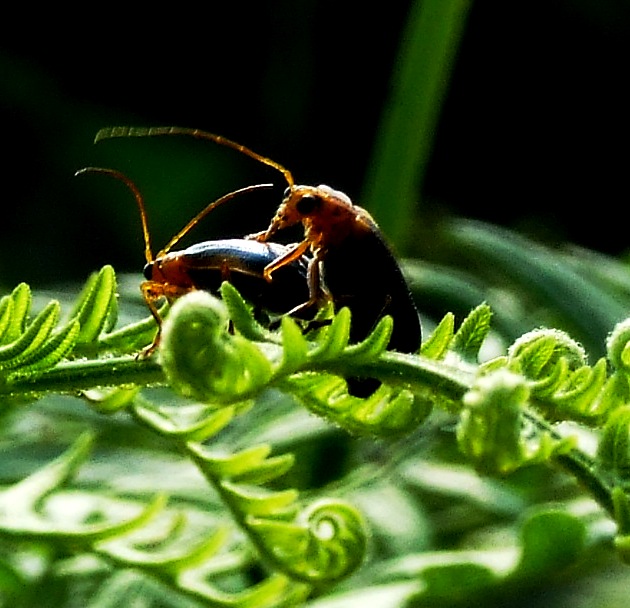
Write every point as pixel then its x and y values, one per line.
pixel 139 200
pixel 143 212
pixel 112 132
pixel 213 205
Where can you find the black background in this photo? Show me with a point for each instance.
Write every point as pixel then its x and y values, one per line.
pixel 533 133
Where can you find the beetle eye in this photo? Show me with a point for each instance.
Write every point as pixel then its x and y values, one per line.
pixel 307 205
pixel 148 271
pixel 287 193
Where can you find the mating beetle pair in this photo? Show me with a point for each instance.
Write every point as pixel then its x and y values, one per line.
pixel 343 255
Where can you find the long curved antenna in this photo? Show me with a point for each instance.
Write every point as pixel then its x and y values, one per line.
pixel 195 220
pixel 119 175
pixel 148 254
pixel 112 132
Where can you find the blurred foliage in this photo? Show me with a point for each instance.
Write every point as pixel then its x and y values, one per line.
pixel 526 133
pixel 466 485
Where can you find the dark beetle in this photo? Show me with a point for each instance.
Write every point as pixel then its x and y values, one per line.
pixel 241 262
pixel 171 274
pixel 351 263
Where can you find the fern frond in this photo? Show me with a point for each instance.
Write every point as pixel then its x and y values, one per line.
pixel 613 452
pixel 562 384
pixel 388 411
pixel 240 314
pixel 436 346
pixel 54 350
pixel 96 307
pixel 193 422
pixel 167 545
pixel 24 348
pixel 162 550
pixel 490 429
pixel 323 542
pixel 472 333
pixel 24 508
pixel 210 364
pixel 14 309
pixel 251 466
pixel 40 354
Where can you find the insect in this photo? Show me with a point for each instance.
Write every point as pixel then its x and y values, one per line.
pixel 206 265
pixel 351 262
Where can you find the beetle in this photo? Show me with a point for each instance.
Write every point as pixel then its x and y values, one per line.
pixel 206 265
pixel 355 264
pixel 242 262
pixel 351 262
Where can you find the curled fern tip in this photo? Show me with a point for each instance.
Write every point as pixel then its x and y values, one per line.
pixel 202 359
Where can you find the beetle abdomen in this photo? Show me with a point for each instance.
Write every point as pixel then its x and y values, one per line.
pixel 241 262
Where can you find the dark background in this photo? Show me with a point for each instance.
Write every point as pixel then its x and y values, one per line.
pixel 533 133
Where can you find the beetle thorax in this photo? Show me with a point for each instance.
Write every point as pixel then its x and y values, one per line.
pixel 327 215
pixel 169 268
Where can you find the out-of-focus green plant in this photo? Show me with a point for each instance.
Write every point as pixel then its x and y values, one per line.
pixel 261 533
pixel 404 142
pixel 234 468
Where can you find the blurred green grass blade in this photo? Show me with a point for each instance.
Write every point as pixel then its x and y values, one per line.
pixel 438 288
pixel 405 138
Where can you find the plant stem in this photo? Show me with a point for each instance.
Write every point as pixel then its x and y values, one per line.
pixel 579 465
pixel 72 376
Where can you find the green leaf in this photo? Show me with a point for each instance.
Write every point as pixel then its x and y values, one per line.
pixel 389 411
pixel 240 314
pixel 552 540
pixel 543 274
pixel 26 346
pixel 439 341
pixel 267 470
pixel 53 350
pixel 6 312
pixel 96 307
pixel 335 337
pixel 191 422
pixel 294 347
pixel 371 347
pixel 472 333
pixel 613 453
pixel 26 493
pixel 14 310
pixel 229 466
pixel 174 558
pixel 256 501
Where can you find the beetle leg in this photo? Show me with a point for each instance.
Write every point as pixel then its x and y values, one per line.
pixel 225 270
pixel 316 290
pixel 287 258
pixel 152 291
pixel 261 236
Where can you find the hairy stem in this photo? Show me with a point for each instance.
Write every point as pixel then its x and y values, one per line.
pixel 579 465
pixel 72 376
